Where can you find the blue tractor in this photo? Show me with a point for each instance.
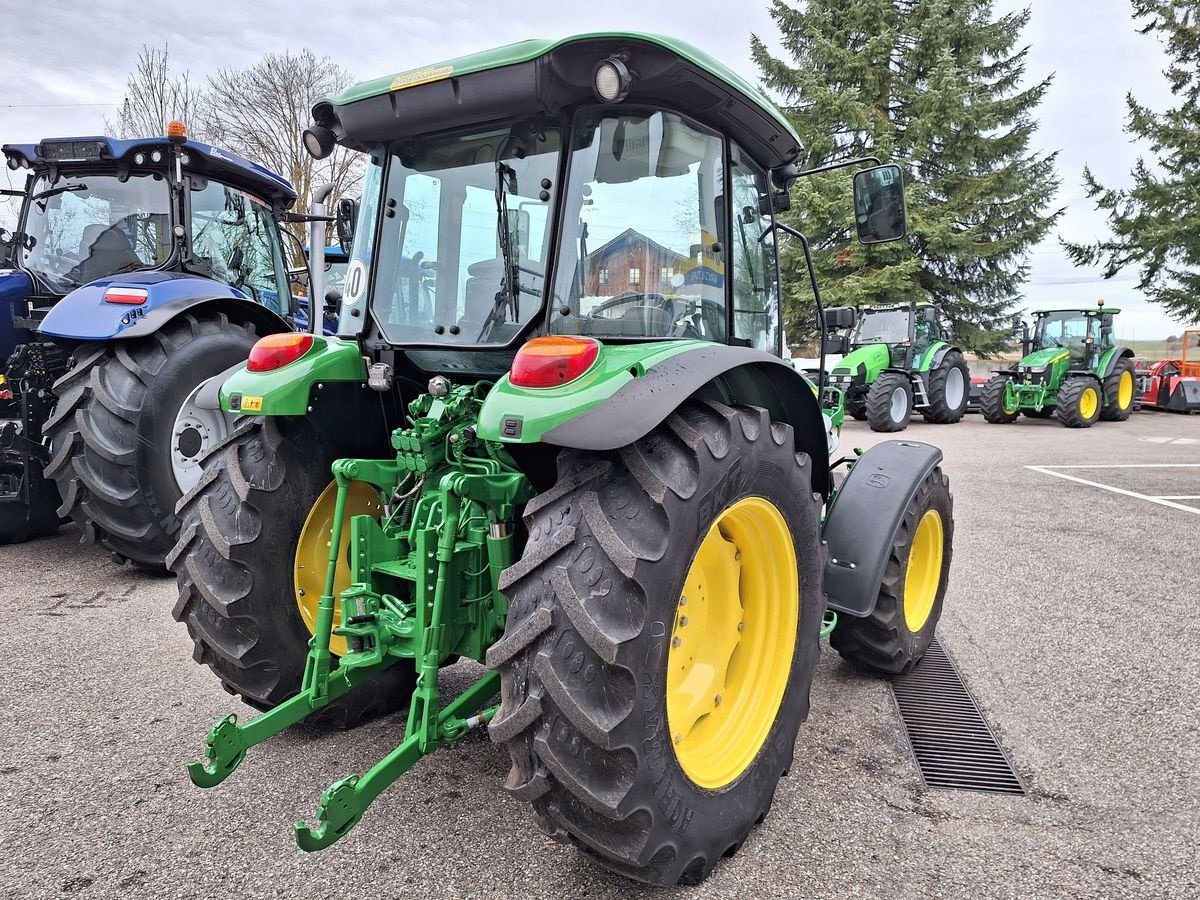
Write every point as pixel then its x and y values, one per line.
pixel 138 270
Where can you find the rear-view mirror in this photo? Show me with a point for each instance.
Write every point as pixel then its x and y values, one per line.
pixel 879 204
pixel 840 317
pixel 837 344
pixel 347 215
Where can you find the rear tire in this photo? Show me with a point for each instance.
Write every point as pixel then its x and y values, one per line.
pixel 592 605
pixel 1079 402
pixel 949 390
pixel 112 430
pixel 894 637
pixel 890 402
pixel 1120 391
pixel 21 522
pixel 234 567
pixel 991 402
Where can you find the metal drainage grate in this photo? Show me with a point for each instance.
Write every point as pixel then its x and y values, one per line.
pixel 952 742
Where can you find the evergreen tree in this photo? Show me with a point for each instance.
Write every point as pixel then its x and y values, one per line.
pixel 935 86
pixel 1156 222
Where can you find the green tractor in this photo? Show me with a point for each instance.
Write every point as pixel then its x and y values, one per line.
pixel 554 435
pixel 899 358
pixel 1069 366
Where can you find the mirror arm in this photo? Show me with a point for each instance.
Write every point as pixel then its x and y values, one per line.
pixel 812 279
pixel 833 167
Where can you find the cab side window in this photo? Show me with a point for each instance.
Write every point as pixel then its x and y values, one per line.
pixel 755 276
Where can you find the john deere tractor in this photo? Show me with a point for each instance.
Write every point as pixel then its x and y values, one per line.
pixel 900 358
pixel 1069 367
pixel 531 445
pixel 139 269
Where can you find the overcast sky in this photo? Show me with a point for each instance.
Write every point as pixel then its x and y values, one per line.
pixel 68 61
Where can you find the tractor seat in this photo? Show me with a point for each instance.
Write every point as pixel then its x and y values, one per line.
pixel 108 254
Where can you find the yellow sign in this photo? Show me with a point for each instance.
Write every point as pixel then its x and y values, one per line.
pixel 252 404
pixel 421 76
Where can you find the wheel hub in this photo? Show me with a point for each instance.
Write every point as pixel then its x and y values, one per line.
pixel 899 404
pixel 954 388
pixel 731 647
pixel 197 430
pixel 923 574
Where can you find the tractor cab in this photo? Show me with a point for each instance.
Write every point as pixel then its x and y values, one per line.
pixel 558 197
pixel 101 209
pixel 1082 333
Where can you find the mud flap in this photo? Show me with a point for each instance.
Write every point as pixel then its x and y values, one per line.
pixel 863 519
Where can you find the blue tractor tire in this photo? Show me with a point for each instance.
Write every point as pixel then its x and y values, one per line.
pixel 112 431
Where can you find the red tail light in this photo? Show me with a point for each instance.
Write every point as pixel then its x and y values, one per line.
pixel 277 350
pixel 550 361
pixel 131 296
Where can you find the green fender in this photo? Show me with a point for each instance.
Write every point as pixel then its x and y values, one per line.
pixel 631 389
pixel 1109 359
pixel 932 357
pixel 286 391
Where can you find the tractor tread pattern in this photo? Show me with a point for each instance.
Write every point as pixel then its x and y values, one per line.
pixel 570 683
pixel 94 433
pixel 1111 411
pixel 882 641
pixel 939 411
pixel 991 401
pixel 1069 394
pixel 879 402
pixel 225 518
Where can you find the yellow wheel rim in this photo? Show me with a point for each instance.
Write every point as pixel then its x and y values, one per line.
pixel 923 574
pixel 731 646
pixel 1125 391
pixel 1089 400
pixel 312 554
pixel 1004 403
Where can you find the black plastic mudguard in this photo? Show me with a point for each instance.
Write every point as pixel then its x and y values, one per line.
pixel 866 513
pixel 746 375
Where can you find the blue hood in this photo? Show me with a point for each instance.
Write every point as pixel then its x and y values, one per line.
pixel 83 315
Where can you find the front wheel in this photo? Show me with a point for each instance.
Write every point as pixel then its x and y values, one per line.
pixel 113 431
pixel 1118 392
pixel 994 404
pixel 661 640
pixel 1079 402
pixel 949 390
pixel 894 637
pixel 890 402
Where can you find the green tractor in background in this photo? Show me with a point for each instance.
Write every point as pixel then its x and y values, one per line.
pixel 898 359
pixel 1069 366
pixel 562 448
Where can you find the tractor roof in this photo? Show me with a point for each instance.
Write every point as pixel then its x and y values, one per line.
pixel 1083 310
pixel 103 152
pixel 541 77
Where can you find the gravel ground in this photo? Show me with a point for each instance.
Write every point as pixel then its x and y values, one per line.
pixel 1070 613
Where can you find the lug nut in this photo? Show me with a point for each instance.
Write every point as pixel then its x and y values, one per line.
pixel 678 738
pixel 675 642
pixel 717 700
pixel 741 626
pixel 682 621
pixel 683 601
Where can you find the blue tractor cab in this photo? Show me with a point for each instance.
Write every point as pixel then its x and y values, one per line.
pixel 137 270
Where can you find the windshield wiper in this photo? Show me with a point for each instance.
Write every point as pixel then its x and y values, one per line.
pixel 511 285
pixel 51 192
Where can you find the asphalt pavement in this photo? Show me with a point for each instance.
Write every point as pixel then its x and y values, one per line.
pixel 1071 613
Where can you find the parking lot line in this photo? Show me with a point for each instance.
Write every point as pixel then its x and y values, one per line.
pixel 1161 501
